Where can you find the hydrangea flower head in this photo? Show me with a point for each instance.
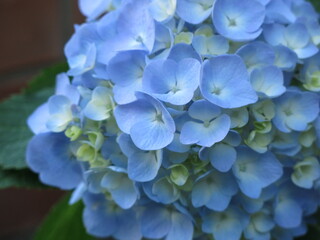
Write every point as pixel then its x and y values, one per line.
pixel 187 119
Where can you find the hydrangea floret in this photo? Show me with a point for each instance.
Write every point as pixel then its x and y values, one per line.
pixel 187 119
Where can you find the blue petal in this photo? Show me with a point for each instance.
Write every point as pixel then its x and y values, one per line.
pixel 124 192
pixel 126 145
pixel 274 34
pixel 172 82
pixel 136 26
pixel 307 51
pixel 255 171
pixel 250 205
pixel 164 39
pixel 181 228
pixel 96 217
pixel 279 11
pixel 201 194
pixel 296 35
pixel 177 146
pixel 194 11
pixel 181 51
pixel 294 110
pixel 84 61
pixel 60 113
pixel 155 222
pixel 238 22
pixel 149 123
pixel 111 150
pixel 214 191
pixel 128 114
pixel 126 94
pixel 93 178
pixel 162 10
pixel 227 225
pixel 288 214
pixel 225 88
pixel 49 155
pixel 38 119
pixel 93 10
pixel 203 110
pixel 63 87
pixel 126 67
pixel 233 138
pixel 100 106
pixel 222 156
pixel 268 81
pixel 286 59
pixel 165 191
pixel 256 54
pixel 263 222
pixel 199 133
pixel 144 166
pixel 151 135
pixel 128 226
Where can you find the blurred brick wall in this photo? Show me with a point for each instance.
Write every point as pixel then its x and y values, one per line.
pixel 33 33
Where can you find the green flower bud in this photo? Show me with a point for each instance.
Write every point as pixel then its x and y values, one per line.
pixel 262 127
pixel 96 139
pixel 73 132
pixel 313 82
pixel 306 172
pixel 86 153
pixel 263 111
pixel 205 30
pixel 187 187
pixel 307 138
pixel 99 162
pixel 259 141
pixel 179 174
pixel 184 37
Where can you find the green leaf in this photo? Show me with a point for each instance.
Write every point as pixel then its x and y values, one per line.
pixel 64 222
pixel 19 178
pixel 313 232
pixel 316 4
pixel 46 79
pixel 14 132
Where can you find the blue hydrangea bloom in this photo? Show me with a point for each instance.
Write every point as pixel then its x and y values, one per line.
pixel 225 88
pixel 162 11
pixel 268 82
pixel 126 70
pixel 211 127
pixel 50 155
pixel 122 224
pixel 93 10
pixel 214 191
pixel 147 121
pixel 238 22
pixel 256 54
pixel 158 222
pixel 170 81
pixel 295 37
pixel 295 109
pixel 187 119
pixel 194 11
pixel 227 225
pixel 255 171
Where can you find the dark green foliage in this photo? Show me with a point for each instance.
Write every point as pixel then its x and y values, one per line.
pixel 64 222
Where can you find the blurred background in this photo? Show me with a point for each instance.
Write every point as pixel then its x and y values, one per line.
pixel 33 34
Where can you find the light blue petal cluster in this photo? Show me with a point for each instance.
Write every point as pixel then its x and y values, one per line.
pixel 187 119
